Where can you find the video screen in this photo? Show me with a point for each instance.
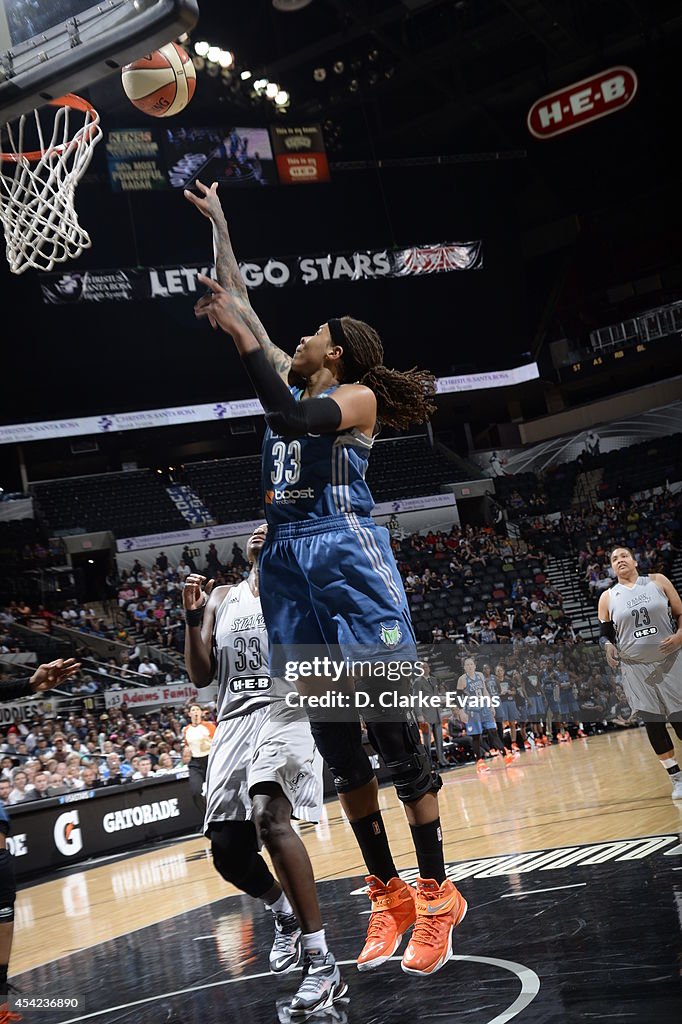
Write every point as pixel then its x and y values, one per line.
pixel 235 156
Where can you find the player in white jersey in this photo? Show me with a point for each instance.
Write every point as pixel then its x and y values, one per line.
pixel 263 767
pixel 641 626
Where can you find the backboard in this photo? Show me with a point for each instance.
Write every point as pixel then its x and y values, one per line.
pixel 52 47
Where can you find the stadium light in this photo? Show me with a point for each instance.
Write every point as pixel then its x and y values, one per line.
pixel 202 48
pixel 282 98
pixel 225 59
pixel 271 90
pixel 245 76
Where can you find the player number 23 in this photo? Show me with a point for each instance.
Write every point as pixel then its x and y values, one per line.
pixel 287 462
pixel 646 620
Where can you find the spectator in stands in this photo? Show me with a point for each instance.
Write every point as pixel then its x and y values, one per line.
pixel 56 787
pixel 5 790
pixel 11 742
pixel 40 786
pixel 21 789
pixel 148 668
pixel 111 771
pixel 187 559
pixel 213 566
pixel 162 561
pixel 145 769
pixel 90 777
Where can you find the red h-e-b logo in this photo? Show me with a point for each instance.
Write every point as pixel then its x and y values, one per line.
pixel 582 102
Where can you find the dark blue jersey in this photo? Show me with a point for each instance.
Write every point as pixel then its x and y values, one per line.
pixel 316 475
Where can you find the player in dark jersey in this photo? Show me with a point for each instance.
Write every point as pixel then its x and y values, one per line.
pixel 330 581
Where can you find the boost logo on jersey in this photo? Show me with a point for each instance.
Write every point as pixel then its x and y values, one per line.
pixel 68 837
pixel 283 496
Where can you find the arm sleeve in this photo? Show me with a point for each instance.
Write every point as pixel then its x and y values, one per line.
pixel 284 414
pixel 12 690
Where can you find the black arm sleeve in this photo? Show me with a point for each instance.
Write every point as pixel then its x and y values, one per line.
pixel 284 414
pixel 607 633
pixel 11 690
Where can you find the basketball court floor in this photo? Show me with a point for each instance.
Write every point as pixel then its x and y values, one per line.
pixel 571 860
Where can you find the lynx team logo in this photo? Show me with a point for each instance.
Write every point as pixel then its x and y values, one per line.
pixel 68 837
pixel 391 635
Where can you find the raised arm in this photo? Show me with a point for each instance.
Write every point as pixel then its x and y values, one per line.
pixel 200 602
pixel 229 275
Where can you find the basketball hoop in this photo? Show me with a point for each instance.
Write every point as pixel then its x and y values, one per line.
pixel 37 186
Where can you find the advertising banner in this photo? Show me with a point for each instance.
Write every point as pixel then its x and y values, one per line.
pixel 134 161
pixel 137 284
pixel 109 423
pixel 584 101
pixel 58 831
pixel 151 696
pixel 299 154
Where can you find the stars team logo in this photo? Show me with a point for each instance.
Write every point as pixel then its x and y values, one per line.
pixel 391 635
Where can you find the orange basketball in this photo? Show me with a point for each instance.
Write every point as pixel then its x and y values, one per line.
pixel 161 83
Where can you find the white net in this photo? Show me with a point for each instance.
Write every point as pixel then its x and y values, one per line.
pixel 37 188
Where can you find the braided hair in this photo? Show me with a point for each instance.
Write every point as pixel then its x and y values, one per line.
pixel 402 398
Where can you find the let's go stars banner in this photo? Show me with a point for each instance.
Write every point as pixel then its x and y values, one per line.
pixel 177 281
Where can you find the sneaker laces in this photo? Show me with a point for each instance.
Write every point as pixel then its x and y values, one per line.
pixel 312 982
pixel 426 928
pixel 379 920
pixel 285 926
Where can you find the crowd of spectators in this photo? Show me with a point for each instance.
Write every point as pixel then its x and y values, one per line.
pixel 478 571
pixel 650 525
pixel 150 598
pixel 510 619
pixel 46 757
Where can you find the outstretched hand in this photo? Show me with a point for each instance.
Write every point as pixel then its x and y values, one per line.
pixel 53 673
pixel 207 202
pixel 226 310
pixel 196 591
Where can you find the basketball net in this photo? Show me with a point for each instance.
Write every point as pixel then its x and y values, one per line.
pixel 37 187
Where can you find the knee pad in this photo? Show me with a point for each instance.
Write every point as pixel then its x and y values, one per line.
pixel 405 757
pixel 8 888
pixel 659 737
pixel 340 744
pixel 234 846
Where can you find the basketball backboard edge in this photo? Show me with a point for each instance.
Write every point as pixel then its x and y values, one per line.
pixel 45 70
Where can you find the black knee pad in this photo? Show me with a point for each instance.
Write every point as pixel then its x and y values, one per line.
pixel 234 846
pixel 400 747
pixel 8 887
pixel 659 737
pixel 340 744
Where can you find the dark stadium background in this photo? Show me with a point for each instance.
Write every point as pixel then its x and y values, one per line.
pixel 563 221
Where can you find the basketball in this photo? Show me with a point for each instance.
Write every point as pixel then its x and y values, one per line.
pixel 161 83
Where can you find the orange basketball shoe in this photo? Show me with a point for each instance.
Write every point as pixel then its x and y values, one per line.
pixel 440 908
pixel 481 766
pixel 7 1016
pixel 393 912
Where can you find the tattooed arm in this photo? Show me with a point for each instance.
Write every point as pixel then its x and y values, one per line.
pixel 229 275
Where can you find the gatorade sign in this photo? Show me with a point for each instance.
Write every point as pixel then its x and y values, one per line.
pixel 68 837
pixel 582 102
